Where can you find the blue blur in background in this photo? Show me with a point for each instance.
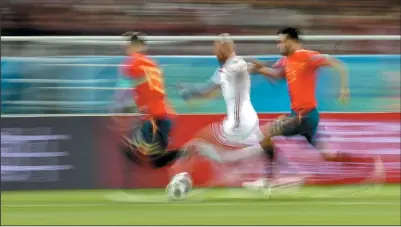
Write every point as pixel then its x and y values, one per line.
pixel 84 84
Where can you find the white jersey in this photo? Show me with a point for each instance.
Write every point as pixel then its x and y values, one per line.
pixel 241 120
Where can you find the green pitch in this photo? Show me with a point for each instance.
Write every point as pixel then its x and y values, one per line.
pixel 352 205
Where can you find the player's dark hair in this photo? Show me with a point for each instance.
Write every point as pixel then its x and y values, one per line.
pixel 135 37
pixel 290 32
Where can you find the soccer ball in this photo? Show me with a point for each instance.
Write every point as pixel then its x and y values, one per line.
pixel 179 186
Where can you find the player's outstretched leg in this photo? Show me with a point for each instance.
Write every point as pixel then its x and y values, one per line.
pixel 211 149
pixel 208 149
pixel 148 144
pixel 307 126
pixel 267 148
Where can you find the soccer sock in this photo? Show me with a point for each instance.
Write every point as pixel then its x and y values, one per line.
pixel 130 154
pixel 268 148
pixel 159 161
pixel 281 161
pixel 269 151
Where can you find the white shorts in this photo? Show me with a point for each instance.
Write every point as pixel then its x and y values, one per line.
pixel 246 135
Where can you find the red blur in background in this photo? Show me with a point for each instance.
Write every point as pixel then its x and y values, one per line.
pixel 350 130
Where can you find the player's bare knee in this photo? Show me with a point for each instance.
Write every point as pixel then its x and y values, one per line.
pixel 328 156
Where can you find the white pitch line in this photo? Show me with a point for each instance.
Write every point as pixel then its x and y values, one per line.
pixel 270 203
pixel 210 214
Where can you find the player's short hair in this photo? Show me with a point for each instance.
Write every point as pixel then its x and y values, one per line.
pixel 290 32
pixel 135 37
pixel 226 40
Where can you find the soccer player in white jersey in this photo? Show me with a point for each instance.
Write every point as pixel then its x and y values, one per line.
pixel 240 128
pixel 233 79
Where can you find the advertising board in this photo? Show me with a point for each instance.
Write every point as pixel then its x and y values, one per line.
pixel 47 153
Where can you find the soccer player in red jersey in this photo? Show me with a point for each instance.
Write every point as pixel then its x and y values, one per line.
pixel 151 140
pixel 299 68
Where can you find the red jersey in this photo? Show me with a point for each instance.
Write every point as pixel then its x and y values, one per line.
pixel 149 92
pixel 300 71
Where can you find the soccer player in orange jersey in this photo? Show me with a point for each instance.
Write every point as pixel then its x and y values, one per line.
pixel 151 140
pixel 298 67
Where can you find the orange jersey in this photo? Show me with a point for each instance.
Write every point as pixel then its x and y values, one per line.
pixel 149 93
pixel 300 71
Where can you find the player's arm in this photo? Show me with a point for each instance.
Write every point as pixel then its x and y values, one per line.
pixel 122 101
pixel 208 89
pixel 276 71
pixel 323 60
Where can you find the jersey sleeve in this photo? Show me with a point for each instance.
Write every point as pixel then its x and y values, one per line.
pixel 280 63
pixel 318 60
pixel 216 78
pixel 133 68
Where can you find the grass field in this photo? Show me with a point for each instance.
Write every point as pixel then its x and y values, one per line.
pixel 351 205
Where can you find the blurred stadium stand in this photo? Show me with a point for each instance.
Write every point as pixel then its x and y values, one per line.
pixel 200 17
pixel 189 17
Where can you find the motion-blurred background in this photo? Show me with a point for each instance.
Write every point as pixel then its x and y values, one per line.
pixel 75 76
pixel 51 85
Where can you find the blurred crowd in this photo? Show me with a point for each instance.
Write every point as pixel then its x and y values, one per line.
pixel 199 17
pixel 189 17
